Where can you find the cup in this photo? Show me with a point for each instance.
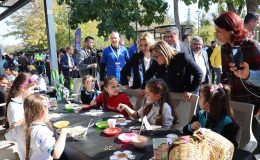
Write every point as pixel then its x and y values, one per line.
pixel 111 123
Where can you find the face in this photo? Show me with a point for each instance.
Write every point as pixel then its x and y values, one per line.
pixel 171 38
pixel 89 83
pixel 196 46
pixel 159 58
pixel 114 38
pixel 150 97
pixel 113 88
pixel 71 51
pixel 213 45
pixel 187 40
pixel 203 105
pixel 27 91
pixel 223 35
pixel 144 46
pixel 90 43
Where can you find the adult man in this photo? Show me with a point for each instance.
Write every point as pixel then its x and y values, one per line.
pixel 87 58
pixel 23 63
pixel 201 58
pixel 172 38
pixel 113 58
pixel 67 65
pixel 251 21
pixel 39 61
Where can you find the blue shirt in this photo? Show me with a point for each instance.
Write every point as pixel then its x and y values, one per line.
pixel 114 60
pixel 254 78
pixel 132 50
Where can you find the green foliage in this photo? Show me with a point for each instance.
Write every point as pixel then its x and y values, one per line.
pixel 116 15
pixel 207 33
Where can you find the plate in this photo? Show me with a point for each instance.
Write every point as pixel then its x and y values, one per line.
pixel 61 124
pixel 126 137
pixel 112 131
pixel 102 124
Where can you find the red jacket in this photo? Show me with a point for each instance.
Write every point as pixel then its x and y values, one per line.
pixel 112 102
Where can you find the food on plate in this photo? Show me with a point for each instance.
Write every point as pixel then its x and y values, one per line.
pixel 61 124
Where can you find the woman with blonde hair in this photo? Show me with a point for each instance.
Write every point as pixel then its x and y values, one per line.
pixel 178 70
pixel 141 63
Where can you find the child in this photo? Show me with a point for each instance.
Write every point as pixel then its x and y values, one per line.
pixel 34 138
pixel 157 110
pixel 216 113
pixel 111 97
pixel 22 87
pixel 88 93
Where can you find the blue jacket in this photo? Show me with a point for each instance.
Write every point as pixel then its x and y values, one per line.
pixel 112 61
pixel 254 78
pixel 64 62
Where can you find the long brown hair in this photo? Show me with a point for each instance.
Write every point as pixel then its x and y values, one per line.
pixel 158 86
pixel 34 109
pixel 218 97
pixel 107 80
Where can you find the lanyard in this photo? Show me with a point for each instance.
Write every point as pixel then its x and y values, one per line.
pixel 118 52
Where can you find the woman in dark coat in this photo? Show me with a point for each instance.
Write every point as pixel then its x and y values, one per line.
pixel 178 70
pixel 142 64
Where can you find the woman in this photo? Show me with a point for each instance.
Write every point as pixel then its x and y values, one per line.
pixel 179 71
pixel 142 64
pixel 231 33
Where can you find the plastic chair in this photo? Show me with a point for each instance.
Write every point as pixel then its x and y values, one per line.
pixel 136 101
pixel 184 109
pixel 77 88
pixel 243 113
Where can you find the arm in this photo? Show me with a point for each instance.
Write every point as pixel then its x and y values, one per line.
pixel 126 71
pixel 188 129
pixel 60 144
pixel 213 56
pixel 254 78
pixel 62 62
pixel 129 110
pixel 81 60
pixel 167 116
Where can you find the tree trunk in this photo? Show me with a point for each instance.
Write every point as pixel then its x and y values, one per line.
pixel 252 5
pixel 231 7
pixel 176 15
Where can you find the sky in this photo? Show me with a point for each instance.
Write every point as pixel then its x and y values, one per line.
pixel 183 10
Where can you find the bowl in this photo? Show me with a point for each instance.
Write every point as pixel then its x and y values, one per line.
pixel 78 133
pixel 139 141
pixel 126 137
pixel 61 124
pixel 70 107
pixel 102 124
pixel 112 131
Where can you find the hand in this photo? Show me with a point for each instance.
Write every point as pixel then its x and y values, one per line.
pixel 244 73
pixel 86 106
pixel 94 65
pixel 121 107
pixel 101 83
pixel 93 103
pixel 186 96
pixel 127 87
pixel 195 125
pixel 141 94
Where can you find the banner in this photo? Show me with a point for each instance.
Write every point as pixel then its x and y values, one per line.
pixel 77 38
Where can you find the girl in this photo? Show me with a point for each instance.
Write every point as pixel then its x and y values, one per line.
pixel 111 97
pixel 34 138
pixel 88 93
pixel 22 87
pixel 142 64
pixel 157 110
pixel 216 113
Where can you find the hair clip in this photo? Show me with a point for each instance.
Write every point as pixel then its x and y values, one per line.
pixel 33 78
pixel 212 88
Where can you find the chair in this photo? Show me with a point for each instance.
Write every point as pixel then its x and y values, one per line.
pixel 2 117
pixel 77 88
pixel 136 101
pixel 243 113
pixel 184 109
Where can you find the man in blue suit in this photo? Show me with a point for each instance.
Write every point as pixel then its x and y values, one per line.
pixel 68 65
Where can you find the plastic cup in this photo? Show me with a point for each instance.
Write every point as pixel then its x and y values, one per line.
pixel 111 123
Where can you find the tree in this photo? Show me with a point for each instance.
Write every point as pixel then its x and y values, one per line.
pixel 232 5
pixel 117 14
pixel 176 14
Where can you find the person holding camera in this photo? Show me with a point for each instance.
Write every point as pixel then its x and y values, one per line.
pixel 231 33
pixel 87 58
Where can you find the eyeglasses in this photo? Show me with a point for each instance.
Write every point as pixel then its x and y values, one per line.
pixel 156 56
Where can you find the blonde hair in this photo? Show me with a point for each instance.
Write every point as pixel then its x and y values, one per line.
pixel 34 108
pixel 148 37
pixel 163 48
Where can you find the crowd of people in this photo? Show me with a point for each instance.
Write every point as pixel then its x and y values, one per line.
pixel 155 68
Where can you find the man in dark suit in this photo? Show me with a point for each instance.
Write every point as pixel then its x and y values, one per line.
pixel 201 58
pixel 172 38
pixel 67 65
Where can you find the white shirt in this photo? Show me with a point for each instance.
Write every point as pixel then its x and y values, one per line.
pixel 70 61
pixel 15 111
pixel 167 117
pixel 147 62
pixel 201 63
pixel 42 141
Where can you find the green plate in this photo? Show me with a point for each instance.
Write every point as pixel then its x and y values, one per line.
pixel 102 124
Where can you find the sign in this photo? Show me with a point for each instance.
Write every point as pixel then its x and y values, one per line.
pixel 77 38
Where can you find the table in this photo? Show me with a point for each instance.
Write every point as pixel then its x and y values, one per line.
pixel 98 146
